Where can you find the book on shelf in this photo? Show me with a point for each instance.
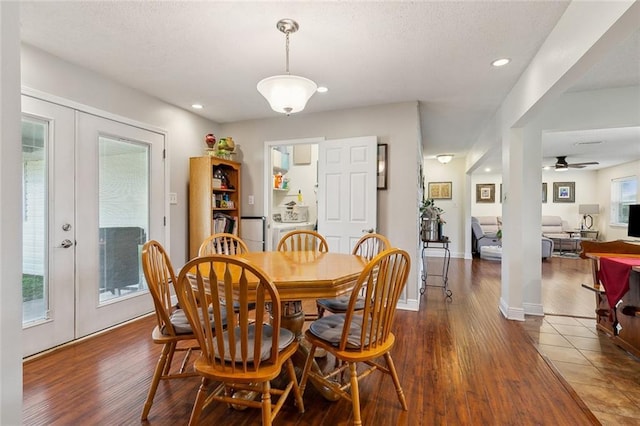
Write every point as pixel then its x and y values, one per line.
pixel 224 223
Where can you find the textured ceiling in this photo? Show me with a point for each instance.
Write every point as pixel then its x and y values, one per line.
pixel 366 53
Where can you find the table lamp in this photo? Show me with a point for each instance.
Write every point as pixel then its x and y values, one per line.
pixel 586 210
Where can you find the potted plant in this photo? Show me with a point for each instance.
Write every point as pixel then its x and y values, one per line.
pixel 432 221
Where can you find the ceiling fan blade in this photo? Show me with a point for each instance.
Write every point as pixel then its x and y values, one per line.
pixel 588 163
pixel 576 166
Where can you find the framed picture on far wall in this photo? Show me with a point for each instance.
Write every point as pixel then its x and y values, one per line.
pixel 544 192
pixel 485 193
pixel 439 190
pixel 564 192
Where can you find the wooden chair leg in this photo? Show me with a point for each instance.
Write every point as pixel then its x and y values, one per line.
pixel 307 369
pixel 355 395
pixel 199 402
pixel 296 389
pixel 266 403
pixel 157 373
pixel 320 311
pixel 172 351
pixel 396 381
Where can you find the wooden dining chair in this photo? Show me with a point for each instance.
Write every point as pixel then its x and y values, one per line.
pixel 223 243
pixel 249 353
pixel 362 336
pixel 172 325
pixel 368 247
pixel 303 240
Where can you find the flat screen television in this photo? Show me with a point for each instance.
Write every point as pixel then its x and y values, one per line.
pixel 634 220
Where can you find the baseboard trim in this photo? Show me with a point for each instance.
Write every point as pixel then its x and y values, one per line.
pixel 511 313
pixel 533 309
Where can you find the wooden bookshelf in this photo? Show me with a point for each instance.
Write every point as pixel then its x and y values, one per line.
pixel 207 199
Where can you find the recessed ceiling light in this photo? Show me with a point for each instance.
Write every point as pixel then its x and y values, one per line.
pixel 500 62
pixel 197 106
pixel 488 169
pixel 322 89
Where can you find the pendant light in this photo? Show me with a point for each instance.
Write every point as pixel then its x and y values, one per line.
pixel 287 93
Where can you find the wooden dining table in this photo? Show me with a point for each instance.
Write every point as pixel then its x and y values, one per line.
pixel 309 274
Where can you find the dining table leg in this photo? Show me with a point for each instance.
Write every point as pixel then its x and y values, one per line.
pixel 292 318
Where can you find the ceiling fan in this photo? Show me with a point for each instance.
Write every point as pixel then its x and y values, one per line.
pixel 562 165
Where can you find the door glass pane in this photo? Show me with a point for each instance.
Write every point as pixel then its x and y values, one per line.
pixel 123 178
pixel 35 294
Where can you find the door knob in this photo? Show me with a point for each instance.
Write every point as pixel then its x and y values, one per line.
pixel 66 243
pixel 368 231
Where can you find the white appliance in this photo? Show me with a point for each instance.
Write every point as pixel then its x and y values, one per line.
pixel 252 232
pixel 280 229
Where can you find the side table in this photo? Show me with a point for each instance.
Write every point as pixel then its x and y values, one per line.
pixel 440 245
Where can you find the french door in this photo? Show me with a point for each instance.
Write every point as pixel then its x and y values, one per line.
pixel 90 186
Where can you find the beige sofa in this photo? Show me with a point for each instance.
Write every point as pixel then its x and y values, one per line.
pixel 556 229
pixel 485 228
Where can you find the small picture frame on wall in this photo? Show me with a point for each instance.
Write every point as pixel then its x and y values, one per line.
pixel 485 193
pixel 439 190
pixel 544 192
pixel 382 166
pixel 564 192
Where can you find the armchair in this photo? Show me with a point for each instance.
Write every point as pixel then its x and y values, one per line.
pixel 480 238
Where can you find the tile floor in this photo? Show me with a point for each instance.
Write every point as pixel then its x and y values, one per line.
pixel 604 376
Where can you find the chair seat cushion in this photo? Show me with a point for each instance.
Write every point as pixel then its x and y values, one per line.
pixel 330 328
pixel 285 339
pixel 181 323
pixel 340 304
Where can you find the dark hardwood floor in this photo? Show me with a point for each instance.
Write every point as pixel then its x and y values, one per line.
pixel 460 363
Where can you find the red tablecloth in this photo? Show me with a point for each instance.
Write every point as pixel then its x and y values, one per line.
pixel 614 276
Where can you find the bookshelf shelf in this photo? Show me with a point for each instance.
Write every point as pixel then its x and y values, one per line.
pixel 206 214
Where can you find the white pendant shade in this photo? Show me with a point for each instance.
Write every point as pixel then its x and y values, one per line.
pixel 287 93
pixel 444 158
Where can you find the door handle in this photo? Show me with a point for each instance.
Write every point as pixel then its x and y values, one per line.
pixel 66 243
pixel 368 231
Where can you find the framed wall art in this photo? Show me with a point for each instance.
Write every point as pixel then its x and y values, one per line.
pixel 485 193
pixel 544 192
pixel 382 166
pixel 439 190
pixel 564 192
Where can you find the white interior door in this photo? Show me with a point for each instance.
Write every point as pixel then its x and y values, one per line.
pixel 347 197
pixel 48 225
pixel 120 205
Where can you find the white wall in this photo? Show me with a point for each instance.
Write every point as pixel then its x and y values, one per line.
pixel 586 187
pixel 603 190
pixel 185 130
pixel 10 217
pixel 486 209
pixel 586 193
pixel 454 208
pixel 394 124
